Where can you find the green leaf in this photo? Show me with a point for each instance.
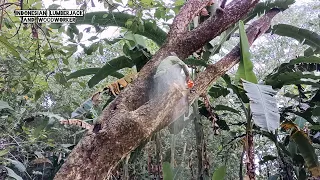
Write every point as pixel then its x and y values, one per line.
pixel 288 78
pixel 139 55
pixel 134 27
pixel 267 158
pixel 80 36
pixel 146 3
pixel 300 122
pixel 302 174
pixel 65 61
pixel 226 108
pixel 9 46
pixel 217 91
pixel 90 71
pixel 74 29
pixel 219 173
pixel 12 174
pixel 292 147
pixel 66 69
pixel 287 73
pixel 5 105
pixel 61 29
pixel 50 116
pixel 3 152
pixel 306 149
pixel 195 62
pixel 84 107
pixel 167 171
pixel 310 51
pixel 263 105
pixel 316 111
pixel 138 39
pixel 17 164
pixel 265 6
pixel 79 60
pixel 290 66
pixel 7 23
pixel 60 78
pixel 55 25
pixel 119 19
pixel 92 38
pixel 302 59
pixel 93 47
pixel 82 72
pixel 157 14
pixel 225 36
pixel 179 2
pixel 82 84
pixel 245 69
pixel 129 23
pixel 101 50
pixel 113 41
pixel 87 105
pixel 110 67
pixel 54 6
pixel 40 127
pixel 314 127
pixel 37 95
pixel 236 89
pixel 302 35
pixel 70 33
pixel 141 27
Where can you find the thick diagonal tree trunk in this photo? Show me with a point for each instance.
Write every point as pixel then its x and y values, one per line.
pixel 132 116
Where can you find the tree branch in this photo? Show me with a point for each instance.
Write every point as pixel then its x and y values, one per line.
pixel 214 26
pixel 181 47
pixel 181 21
pixel 214 71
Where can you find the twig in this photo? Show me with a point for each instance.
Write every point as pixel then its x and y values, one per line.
pixel 8 4
pixel 1 16
pixel 21 7
pixel 241 164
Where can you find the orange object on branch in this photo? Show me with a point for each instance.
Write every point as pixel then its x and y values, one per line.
pixel 190 84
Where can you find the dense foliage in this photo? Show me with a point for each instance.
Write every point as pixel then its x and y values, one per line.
pixel 263 113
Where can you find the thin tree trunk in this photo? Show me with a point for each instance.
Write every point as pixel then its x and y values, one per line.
pixel 173 149
pixel 126 168
pixel 190 164
pixel 2 12
pixel 158 156
pixel 250 156
pixel 241 163
pixel 199 140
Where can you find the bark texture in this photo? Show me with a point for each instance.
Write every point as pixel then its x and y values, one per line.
pixel 132 116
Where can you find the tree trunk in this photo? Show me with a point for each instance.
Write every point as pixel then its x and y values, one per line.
pixel 199 141
pixel 132 117
pixel 250 156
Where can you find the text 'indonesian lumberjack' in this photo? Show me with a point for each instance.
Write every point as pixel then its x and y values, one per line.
pixel 49 16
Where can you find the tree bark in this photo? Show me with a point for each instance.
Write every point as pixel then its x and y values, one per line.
pixel 198 127
pixel 133 116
